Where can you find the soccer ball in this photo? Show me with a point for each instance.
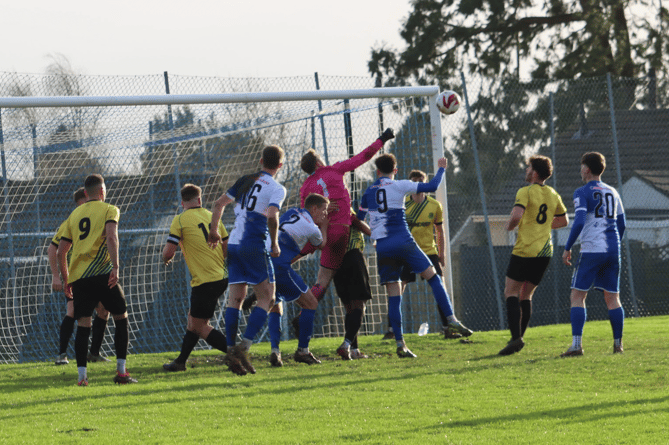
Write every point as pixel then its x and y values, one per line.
pixel 448 102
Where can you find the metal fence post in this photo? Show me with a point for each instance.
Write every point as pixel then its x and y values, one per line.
pixel 479 178
pixel 320 117
pixel 620 184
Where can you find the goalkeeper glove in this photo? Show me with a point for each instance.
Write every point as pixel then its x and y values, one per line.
pixel 387 135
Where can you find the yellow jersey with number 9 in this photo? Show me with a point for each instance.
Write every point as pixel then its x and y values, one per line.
pixel 541 203
pixel 85 229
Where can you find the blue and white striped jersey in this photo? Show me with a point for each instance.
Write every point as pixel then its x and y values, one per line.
pixel 296 228
pixel 603 207
pixel 384 200
pixel 251 208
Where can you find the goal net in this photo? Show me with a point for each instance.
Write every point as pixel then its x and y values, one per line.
pixel 147 147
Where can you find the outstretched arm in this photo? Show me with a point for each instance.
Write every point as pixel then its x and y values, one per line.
pixel 433 185
pixel 368 153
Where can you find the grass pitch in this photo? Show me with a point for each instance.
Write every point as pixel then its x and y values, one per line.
pixel 453 393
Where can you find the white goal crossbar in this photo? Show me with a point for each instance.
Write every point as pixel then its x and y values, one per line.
pixel 184 99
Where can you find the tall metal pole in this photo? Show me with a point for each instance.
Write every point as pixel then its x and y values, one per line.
pixel 38 213
pixel 5 195
pixel 479 177
pixel 626 240
pixel 442 192
pixel 320 117
pixel 348 130
pixel 556 291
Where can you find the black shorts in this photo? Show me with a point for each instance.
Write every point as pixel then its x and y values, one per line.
pixel 408 276
pixel 352 278
pixel 530 269
pixel 204 298
pixel 89 291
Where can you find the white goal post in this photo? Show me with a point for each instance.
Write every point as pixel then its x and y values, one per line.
pixel 147 147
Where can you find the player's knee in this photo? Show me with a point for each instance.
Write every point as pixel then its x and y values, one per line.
pixel 120 316
pixel 428 273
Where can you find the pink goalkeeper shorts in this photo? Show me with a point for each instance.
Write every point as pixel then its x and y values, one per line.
pixel 333 253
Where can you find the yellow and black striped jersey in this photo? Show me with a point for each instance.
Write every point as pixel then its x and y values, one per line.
pixel 190 230
pixel 85 229
pixel 356 240
pixel 421 218
pixel 541 203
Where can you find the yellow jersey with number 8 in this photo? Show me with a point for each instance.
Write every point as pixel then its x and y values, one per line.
pixel 541 203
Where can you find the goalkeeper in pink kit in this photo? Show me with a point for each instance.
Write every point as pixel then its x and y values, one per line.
pixel 328 180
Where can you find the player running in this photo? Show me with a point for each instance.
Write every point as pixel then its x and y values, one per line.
pixel 384 200
pixel 259 198
pixel 599 219
pixel 91 231
pixel 209 274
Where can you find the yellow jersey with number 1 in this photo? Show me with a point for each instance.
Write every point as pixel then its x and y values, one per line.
pixel 190 230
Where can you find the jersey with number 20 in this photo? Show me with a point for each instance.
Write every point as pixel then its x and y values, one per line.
pixel 602 205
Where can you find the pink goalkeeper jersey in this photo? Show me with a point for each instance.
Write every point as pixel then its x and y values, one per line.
pixel 329 182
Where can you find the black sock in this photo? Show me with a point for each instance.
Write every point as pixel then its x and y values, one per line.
pixel 99 326
pixel 217 340
pixel 121 338
pixel 513 316
pixel 66 330
pixel 81 345
pixel 525 314
pixel 354 343
pixel 444 320
pixel 352 323
pixel 189 343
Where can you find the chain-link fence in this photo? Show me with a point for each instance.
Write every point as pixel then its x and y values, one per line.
pixel 147 153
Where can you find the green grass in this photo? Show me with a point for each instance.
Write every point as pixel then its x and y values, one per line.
pixel 452 393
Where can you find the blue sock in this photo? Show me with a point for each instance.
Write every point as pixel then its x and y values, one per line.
pixel 231 325
pixel 617 317
pixel 395 316
pixel 440 295
pixel 306 327
pixel 577 316
pixel 255 323
pixel 274 325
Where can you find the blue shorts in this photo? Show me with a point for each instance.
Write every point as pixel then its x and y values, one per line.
pixel 249 264
pixel 289 284
pixel 598 270
pixel 394 253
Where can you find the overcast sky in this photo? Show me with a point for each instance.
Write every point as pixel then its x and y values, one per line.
pixel 249 38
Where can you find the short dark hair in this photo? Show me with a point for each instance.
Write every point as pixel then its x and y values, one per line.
pixel 418 174
pixel 93 182
pixel 309 160
pixel 314 199
pixel 595 161
pixel 79 194
pixel 272 157
pixel 542 165
pixel 386 163
pixel 190 191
